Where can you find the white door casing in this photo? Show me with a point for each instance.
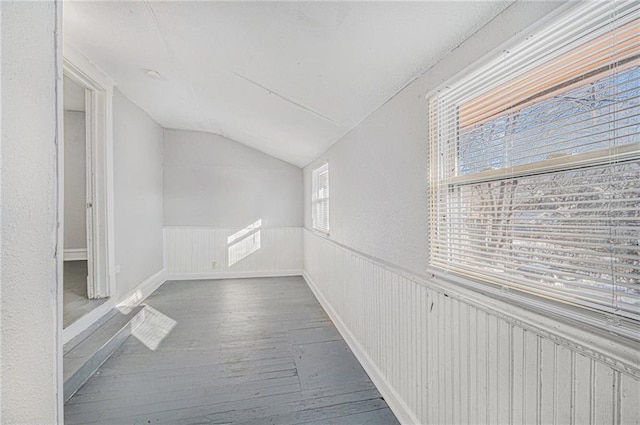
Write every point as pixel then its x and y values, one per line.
pixel 99 148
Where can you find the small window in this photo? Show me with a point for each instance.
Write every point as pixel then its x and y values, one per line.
pixel 535 164
pixel 320 198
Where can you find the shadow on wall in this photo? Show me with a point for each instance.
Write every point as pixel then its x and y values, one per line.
pixel 243 243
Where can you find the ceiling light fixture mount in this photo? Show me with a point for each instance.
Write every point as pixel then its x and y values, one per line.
pixel 155 75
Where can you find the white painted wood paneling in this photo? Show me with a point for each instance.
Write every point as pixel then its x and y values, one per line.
pixel 439 355
pixel 190 252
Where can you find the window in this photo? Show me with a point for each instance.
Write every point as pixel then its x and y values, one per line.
pixel 535 164
pixel 320 198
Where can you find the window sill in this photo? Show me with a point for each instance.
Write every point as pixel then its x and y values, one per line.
pixel 612 339
pixel 320 232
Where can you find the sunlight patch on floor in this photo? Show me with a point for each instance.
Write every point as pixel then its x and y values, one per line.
pixel 151 327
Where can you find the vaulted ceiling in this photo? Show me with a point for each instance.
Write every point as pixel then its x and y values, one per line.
pixel 286 78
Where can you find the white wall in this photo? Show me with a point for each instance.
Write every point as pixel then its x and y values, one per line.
pixel 210 180
pixel 137 159
pixel 73 96
pixel 377 175
pixel 214 188
pixel 447 366
pixel 29 320
pixel 75 197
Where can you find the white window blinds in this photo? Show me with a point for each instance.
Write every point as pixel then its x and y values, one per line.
pixel 535 164
pixel 320 198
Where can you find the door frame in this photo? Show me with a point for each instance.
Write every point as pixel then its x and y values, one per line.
pixel 99 144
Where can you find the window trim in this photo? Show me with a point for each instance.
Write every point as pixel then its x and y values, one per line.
pixel 609 322
pixel 561 163
pixel 315 200
pixel 576 315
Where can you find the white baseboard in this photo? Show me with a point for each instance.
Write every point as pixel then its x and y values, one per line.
pixel 139 294
pixel 148 286
pixel 232 275
pixel 399 408
pixel 83 323
pixel 75 254
pixel 129 301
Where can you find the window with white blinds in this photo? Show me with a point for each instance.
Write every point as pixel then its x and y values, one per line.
pixel 320 198
pixel 535 164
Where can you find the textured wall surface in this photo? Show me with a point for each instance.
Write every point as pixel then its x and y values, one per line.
pixel 443 355
pixel 28 283
pixel 210 180
pixel 75 196
pixel 137 159
pixel 378 192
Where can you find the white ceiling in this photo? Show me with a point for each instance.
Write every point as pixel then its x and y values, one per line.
pixel 287 78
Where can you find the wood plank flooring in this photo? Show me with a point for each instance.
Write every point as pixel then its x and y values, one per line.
pixel 243 351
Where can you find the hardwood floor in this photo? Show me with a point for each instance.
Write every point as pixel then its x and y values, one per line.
pixel 243 351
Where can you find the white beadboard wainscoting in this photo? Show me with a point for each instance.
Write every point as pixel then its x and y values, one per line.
pixel 221 253
pixel 443 354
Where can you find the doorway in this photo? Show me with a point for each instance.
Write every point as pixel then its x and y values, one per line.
pixel 86 159
pixel 78 273
pixel 78 276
